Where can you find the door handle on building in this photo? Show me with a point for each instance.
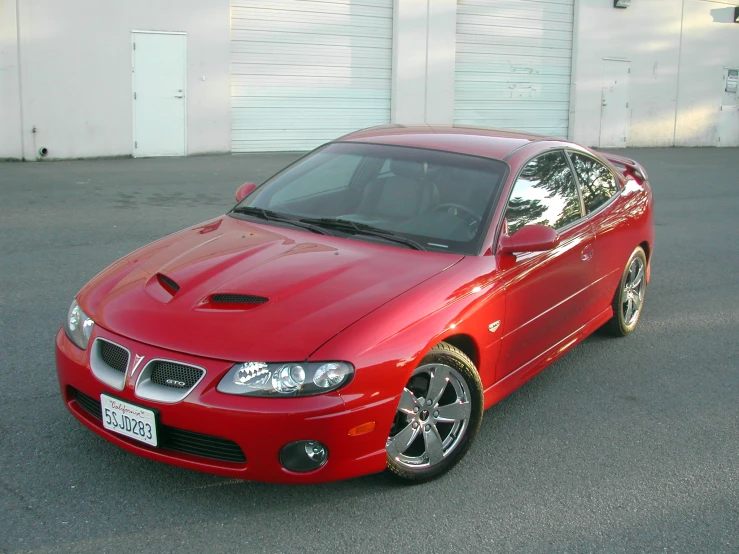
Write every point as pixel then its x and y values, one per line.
pixel 180 95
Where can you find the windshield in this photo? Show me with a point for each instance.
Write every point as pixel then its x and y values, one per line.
pixel 439 200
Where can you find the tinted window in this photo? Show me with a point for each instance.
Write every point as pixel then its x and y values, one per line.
pixel 441 200
pixel 596 181
pixel 326 173
pixel 545 194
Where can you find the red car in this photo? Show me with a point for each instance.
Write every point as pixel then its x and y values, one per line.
pixel 359 310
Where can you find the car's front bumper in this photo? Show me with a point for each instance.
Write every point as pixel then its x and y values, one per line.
pixel 206 430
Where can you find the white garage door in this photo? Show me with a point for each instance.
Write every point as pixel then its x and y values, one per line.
pixel 304 72
pixel 513 64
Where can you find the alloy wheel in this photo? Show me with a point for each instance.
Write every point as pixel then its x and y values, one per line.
pixel 632 296
pixel 432 417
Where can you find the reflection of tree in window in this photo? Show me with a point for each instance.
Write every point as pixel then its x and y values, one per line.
pixel 596 181
pixel 545 192
pixel 521 212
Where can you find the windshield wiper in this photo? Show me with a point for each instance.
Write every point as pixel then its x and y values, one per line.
pixel 356 228
pixel 269 215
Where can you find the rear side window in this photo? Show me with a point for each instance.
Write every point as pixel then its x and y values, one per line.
pixel 545 193
pixel 597 182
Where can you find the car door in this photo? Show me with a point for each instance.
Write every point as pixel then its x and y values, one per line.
pixel 599 188
pixel 546 292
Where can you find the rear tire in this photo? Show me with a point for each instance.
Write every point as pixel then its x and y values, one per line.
pixel 439 414
pixel 629 299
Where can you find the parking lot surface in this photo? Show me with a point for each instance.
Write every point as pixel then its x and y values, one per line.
pixel 624 445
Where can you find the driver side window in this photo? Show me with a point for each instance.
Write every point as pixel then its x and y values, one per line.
pixel 545 194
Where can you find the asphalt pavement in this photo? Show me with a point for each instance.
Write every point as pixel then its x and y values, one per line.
pixel 624 445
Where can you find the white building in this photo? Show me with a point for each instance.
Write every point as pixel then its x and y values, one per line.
pixel 175 77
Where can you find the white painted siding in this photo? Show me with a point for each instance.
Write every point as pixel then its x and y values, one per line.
pixel 304 72
pixel 73 60
pixel 677 49
pixel 513 64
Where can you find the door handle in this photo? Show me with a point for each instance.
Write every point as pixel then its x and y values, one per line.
pixel 587 253
pixel 179 95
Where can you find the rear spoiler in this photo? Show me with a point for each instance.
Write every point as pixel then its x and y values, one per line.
pixel 627 166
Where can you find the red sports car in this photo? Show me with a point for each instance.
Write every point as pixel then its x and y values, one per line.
pixel 359 310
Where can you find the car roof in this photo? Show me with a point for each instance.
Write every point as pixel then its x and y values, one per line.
pixel 478 141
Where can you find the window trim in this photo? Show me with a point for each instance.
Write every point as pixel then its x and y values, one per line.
pixel 616 180
pixel 562 150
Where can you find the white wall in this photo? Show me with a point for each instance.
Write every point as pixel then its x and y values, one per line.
pixel 10 107
pixel 75 70
pixel 710 42
pixel 674 95
pixel 424 33
pixel 76 73
pixel 648 35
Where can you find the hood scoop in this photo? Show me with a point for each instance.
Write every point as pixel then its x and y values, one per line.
pixel 161 288
pixel 168 284
pixel 233 301
pixel 237 299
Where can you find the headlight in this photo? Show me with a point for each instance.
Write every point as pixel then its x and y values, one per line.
pixel 78 326
pixel 285 379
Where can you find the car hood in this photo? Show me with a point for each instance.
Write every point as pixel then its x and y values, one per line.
pixel 309 288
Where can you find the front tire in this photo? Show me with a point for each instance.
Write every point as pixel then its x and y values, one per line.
pixel 629 299
pixel 438 416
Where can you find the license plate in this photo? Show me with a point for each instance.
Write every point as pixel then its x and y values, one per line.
pixel 129 419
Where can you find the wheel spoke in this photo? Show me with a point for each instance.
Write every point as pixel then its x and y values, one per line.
pixel 408 401
pixel 434 449
pixel 454 412
pixel 632 272
pixel 639 277
pixel 438 383
pixel 629 310
pixel 400 442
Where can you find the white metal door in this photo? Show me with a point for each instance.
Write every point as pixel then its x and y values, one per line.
pixel 614 111
pixel 728 122
pixel 305 72
pixel 159 92
pixel 513 64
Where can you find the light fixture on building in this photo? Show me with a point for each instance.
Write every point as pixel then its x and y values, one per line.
pixel 736 14
pixel 621 3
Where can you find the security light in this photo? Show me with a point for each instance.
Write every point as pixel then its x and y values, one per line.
pixel 621 3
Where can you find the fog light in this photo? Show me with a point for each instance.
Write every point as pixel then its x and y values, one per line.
pixel 302 456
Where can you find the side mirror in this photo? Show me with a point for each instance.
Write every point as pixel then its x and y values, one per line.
pixel 530 238
pixel 244 190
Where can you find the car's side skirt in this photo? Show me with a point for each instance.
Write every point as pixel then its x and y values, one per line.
pixel 517 378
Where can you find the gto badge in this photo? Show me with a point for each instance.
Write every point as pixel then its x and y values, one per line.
pixel 494 326
pixel 136 363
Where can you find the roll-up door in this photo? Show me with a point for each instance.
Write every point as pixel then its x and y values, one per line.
pixel 304 72
pixel 513 64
